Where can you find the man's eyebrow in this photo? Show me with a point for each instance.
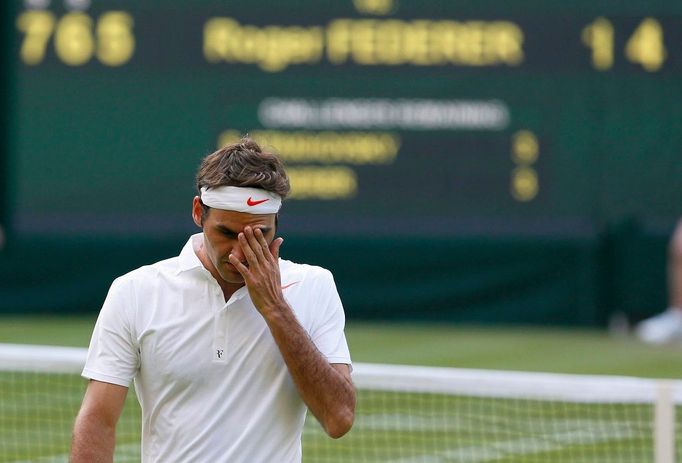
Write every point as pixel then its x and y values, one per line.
pixel 264 230
pixel 227 230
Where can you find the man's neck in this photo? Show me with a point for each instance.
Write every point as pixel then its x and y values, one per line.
pixel 228 288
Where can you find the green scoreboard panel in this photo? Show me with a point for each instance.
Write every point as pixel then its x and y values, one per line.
pixel 393 116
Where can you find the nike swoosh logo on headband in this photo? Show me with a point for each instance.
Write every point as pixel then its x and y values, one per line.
pixel 251 202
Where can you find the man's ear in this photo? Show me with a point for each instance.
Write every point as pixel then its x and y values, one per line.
pixel 197 211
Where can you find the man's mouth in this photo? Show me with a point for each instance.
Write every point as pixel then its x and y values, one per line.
pixel 229 265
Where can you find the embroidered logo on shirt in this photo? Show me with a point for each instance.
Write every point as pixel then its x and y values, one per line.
pixel 219 353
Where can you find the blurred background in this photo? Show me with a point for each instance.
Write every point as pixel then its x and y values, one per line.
pixel 469 162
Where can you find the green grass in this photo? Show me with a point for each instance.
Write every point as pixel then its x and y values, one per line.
pixel 439 428
pixel 513 348
pixel 396 427
pixel 56 331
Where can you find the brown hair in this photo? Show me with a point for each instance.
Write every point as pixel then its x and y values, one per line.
pixel 243 164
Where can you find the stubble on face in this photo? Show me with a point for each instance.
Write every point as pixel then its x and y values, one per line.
pixel 218 265
pixel 221 230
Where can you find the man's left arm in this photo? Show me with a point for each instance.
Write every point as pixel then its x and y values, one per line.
pixel 327 389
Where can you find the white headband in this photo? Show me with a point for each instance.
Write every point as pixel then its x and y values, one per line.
pixel 241 199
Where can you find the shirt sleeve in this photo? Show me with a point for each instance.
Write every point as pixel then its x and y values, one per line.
pixel 327 333
pixel 113 355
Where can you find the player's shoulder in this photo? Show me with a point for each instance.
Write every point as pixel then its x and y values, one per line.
pixel 148 274
pixel 303 272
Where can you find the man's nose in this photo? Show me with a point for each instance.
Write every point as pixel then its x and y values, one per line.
pixel 238 253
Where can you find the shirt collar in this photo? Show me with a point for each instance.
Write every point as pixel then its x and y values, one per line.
pixel 188 258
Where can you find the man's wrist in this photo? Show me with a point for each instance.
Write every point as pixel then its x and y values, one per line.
pixel 276 312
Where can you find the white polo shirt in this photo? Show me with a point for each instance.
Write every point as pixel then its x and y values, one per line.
pixel 210 379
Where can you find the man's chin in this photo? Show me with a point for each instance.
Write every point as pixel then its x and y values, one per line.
pixel 233 277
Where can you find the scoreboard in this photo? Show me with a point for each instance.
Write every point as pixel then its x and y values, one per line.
pixel 394 117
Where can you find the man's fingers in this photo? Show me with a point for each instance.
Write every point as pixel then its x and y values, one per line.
pixel 274 247
pixel 241 268
pixel 261 238
pixel 251 257
pixel 256 246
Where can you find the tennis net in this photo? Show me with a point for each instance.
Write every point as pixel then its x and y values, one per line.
pixel 405 414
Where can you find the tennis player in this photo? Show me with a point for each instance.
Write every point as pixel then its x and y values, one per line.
pixel 666 327
pixel 226 343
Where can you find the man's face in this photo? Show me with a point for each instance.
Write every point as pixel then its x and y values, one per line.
pixel 221 229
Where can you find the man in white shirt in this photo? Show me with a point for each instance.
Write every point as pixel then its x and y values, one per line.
pixel 666 327
pixel 227 343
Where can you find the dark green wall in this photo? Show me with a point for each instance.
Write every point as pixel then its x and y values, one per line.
pixel 6 33
pixel 577 281
pixel 97 165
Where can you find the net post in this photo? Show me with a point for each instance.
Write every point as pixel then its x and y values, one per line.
pixel 664 423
